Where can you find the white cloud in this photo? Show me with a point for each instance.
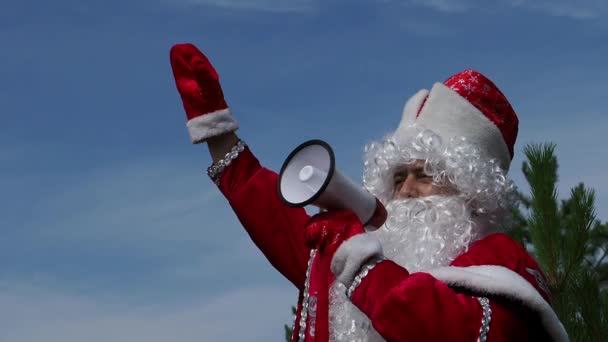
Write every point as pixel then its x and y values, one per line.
pixel 581 9
pixel 578 9
pixel 29 314
pixel 424 28
pixel 143 200
pixel 178 234
pixel 282 6
pixel 447 6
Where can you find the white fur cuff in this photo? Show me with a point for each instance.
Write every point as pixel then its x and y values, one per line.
pixel 352 254
pixel 212 124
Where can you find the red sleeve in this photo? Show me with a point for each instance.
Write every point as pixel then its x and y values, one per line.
pixel 276 229
pixel 418 307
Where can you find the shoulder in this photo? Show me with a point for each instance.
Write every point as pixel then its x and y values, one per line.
pixel 500 249
pixel 495 249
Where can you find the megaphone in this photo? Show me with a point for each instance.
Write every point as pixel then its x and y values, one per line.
pixel 309 176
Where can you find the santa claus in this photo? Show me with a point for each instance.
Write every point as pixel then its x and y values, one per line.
pixel 439 269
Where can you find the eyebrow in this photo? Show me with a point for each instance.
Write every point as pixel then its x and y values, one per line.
pixel 416 169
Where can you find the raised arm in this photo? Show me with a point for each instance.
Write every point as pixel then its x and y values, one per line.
pixel 220 146
pixel 250 188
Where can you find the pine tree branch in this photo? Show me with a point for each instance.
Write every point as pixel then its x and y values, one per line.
pixel 566 238
pixel 579 217
pixel 540 171
pixel 599 261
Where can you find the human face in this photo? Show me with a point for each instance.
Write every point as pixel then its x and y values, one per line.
pixel 411 181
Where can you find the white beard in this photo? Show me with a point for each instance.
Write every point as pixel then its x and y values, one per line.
pixel 419 234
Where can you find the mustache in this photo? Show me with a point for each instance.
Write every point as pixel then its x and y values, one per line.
pixel 424 210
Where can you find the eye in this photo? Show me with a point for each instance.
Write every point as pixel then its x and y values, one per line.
pixel 425 178
pixel 399 177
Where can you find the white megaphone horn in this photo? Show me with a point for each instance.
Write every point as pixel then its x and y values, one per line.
pixel 309 176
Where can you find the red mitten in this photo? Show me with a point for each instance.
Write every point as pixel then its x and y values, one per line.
pixel 199 87
pixel 339 235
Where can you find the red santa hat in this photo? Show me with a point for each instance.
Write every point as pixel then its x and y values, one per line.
pixel 466 105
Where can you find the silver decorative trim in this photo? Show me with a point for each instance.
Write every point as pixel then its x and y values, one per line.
pixel 362 274
pixel 539 279
pixel 305 301
pixel 485 319
pixel 312 312
pixel 215 171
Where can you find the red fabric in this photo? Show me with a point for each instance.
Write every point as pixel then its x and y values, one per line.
pixel 501 250
pixel 321 279
pixel 401 306
pixel 196 80
pixel 276 229
pixel 327 231
pixel 418 307
pixel 485 96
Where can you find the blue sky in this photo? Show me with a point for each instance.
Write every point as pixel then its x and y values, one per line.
pixel 110 229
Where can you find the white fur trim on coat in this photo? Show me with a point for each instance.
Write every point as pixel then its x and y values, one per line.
pixel 351 255
pixel 212 124
pixel 488 280
pixel 450 115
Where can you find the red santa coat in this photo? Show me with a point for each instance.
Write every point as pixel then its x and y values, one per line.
pixel 438 305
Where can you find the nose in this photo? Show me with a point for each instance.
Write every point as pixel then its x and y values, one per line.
pixel 407 189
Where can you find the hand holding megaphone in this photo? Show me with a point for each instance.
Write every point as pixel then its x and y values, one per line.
pixel 309 176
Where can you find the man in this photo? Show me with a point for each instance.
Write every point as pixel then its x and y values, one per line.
pixel 437 270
